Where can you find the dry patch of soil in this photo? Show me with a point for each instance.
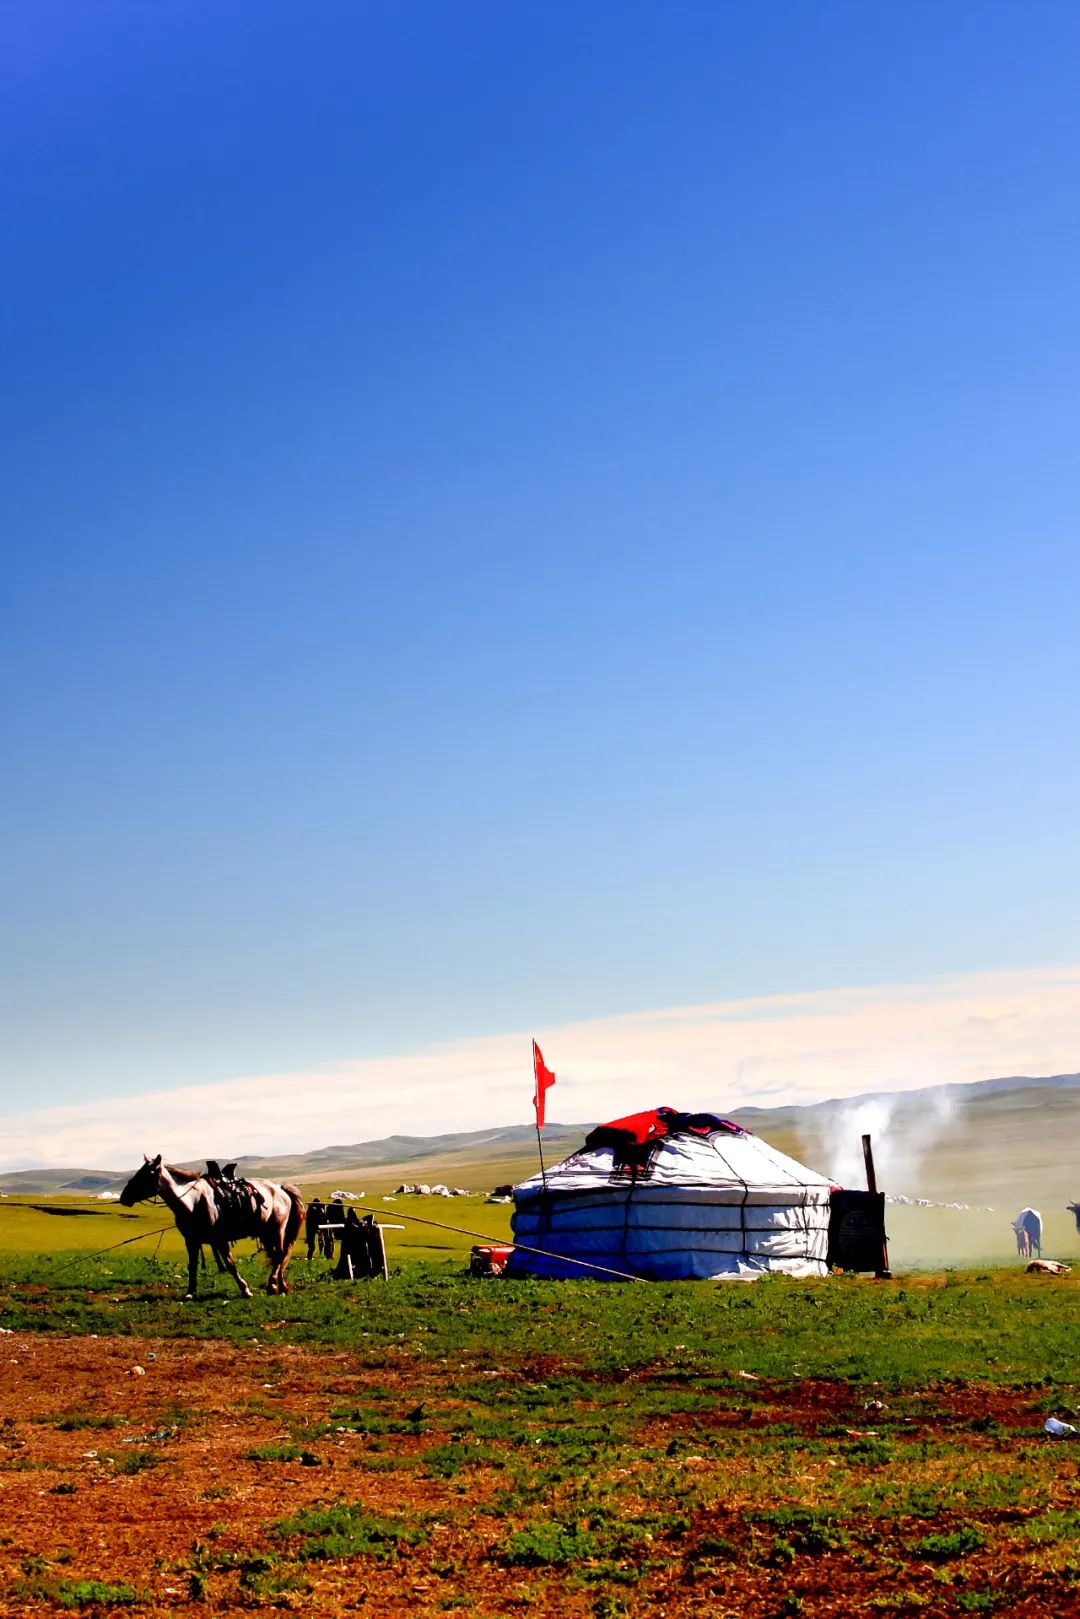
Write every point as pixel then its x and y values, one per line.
pixel 136 1465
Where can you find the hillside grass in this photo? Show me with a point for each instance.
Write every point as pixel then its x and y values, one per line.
pixel 919 1239
pixel 72 1226
pixel 993 1326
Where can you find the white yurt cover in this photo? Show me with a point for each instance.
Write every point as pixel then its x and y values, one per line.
pixel 673 1196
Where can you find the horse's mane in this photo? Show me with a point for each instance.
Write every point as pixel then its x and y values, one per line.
pixel 184 1174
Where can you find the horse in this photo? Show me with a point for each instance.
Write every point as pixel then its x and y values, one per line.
pixel 270 1212
pixel 1028 1229
pixel 1074 1210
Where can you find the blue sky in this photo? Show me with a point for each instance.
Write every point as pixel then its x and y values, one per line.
pixel 523 514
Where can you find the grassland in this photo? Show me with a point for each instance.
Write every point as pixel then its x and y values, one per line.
pixel 920 1239
pixel 488 1447
pixel 443 1445
pixel 68 1227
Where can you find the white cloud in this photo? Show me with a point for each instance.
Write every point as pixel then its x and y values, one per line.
pixel 765 1051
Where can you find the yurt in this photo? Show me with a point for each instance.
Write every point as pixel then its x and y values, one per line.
pixel 673 1196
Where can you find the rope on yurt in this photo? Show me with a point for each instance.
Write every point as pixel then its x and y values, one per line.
pixel 523 1247
pixel 743 1251
pixel 624 1250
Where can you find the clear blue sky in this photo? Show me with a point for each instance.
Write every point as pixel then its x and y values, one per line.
pixel 520 512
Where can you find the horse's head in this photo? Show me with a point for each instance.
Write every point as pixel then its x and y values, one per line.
pixel 144 1182
pixel 1074 1210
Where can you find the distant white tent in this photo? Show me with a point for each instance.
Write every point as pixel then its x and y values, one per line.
pixel 674 1196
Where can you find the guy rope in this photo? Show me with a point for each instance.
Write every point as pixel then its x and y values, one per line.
pixel 523 1247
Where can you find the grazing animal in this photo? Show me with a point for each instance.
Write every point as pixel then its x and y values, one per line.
pixel 1028 1229
pixel 271 1213
pixel 1074 1210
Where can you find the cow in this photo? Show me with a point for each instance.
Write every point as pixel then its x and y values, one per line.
pixel 1028 1229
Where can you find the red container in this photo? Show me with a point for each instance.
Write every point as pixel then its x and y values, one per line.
pixel 488 1261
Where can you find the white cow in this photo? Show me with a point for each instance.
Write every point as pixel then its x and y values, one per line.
pixel 1028 1229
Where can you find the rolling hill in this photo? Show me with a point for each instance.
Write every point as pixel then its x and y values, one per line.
pixel 1002 1141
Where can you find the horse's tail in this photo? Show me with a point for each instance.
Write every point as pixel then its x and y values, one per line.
pixel 295 1222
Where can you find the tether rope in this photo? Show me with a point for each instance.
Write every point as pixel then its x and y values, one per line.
pixel 419 1219
pixel 522 1247
pixel 140 1236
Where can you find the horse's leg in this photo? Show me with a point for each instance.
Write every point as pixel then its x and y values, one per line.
pixel 275 1282
pixel 227 1262
pixel 274 1246
pixel 291 1228
pixel 194 1249
pixel 286 1244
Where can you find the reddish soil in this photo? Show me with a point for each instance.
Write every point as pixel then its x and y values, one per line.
pixel 68 1512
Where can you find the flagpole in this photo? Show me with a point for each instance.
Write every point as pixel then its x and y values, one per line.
pixel 538 1103
pixel 540 1150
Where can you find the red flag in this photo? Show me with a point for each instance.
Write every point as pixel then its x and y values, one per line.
pixel 544 1081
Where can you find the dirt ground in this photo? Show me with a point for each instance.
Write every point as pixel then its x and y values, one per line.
pixel 79 1416
pixel 139 1528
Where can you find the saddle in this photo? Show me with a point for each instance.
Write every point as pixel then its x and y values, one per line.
pixel 236 1199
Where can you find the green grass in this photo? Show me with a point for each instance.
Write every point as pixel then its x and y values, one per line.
pixel 345 1529
pixel 275 1453
pixel 944 1548
pixel 919 1238
pixel 127 1462
pixel 102 1594
pixel 806 1529
pixel 75 1421
pixel 1001 1328
pixel 84 1226
pixel 550 1545
pixel 620 1444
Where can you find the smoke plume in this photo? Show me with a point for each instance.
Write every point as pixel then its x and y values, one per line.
pixel 903 1129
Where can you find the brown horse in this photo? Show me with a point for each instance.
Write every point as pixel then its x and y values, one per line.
pixel 271 1213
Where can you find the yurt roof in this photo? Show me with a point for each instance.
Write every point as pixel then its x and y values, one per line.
pixel 664 1146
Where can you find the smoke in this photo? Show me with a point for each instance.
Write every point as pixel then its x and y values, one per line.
pixel 903 1130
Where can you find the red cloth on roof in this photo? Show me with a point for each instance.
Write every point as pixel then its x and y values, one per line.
pixel 634 1140
pixel 642 1127
pixel 639 1129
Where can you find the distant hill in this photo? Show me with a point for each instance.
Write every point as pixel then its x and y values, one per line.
pixel 469 1145
pixel 995 1141
pixel 469 1149
pixel 68 1182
